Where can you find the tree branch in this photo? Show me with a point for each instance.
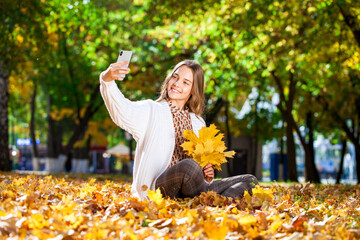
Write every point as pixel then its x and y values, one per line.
pixel 292 89
pixel 280 86
pixel 71 74
pixel 350 134
pixel 350 20
pixel 212 113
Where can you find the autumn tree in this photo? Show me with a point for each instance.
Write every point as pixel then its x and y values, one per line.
pixel 285 45
pixel 304 52
pixel 20 29
pixel 339 95
pixel 83 39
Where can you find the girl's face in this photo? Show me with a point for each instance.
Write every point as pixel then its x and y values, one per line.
pixel 180 85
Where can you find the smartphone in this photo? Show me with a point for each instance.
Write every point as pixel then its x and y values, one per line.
pixel 124 56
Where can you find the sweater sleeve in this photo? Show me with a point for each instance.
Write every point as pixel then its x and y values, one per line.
pixel 131 116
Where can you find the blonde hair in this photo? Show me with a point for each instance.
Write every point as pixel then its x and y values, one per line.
pixel 196 101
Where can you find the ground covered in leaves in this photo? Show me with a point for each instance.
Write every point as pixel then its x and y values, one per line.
pixel 65 207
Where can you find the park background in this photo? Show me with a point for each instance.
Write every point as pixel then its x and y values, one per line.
pixel 282 81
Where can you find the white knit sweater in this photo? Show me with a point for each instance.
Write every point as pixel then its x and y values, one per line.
pixel 151 125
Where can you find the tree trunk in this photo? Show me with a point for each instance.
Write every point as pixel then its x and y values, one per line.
pixel 54 140
pixel 341 166
pixel 357 153
pixel 350 134
pixel 311 171
pixel 80 128
pixel 281 150
pixel 35 153
pixel 357 157
pixel 254 139
pixel 5 164
pixel 212 113
pixel 285 107
pixel 352 22
pixel 291 153
pixel 290 144
pixel 80 158
pixel 312 174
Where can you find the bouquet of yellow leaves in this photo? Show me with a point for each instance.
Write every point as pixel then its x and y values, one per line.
pixel 207 148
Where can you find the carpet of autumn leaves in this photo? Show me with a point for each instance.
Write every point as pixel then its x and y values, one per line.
pixel 69 207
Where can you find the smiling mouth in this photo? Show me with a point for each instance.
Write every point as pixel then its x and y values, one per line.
pixel 174 91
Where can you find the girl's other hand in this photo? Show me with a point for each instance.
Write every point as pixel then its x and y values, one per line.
pixel 209 172
pixel 114 71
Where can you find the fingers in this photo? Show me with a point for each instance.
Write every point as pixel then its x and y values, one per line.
pixel 119 64
pixel 211 175
pixel 117 71
pixel 209 171
pixel 208 165
pixel 119 77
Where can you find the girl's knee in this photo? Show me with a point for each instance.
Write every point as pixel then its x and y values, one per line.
pixel 191 165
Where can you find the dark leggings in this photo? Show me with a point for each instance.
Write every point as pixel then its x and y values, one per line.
pixel 186 179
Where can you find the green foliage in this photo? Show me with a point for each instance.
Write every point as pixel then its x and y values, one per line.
pixel 240 44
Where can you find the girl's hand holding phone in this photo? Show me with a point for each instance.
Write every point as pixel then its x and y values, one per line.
pixel 116 71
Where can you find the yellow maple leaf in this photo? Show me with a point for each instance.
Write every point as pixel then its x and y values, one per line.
pixel 221 147
pixel 129 215
pixel 259 196
pixel 215 231
pixel 188 146
pixel 229 154
pixel 97 233
pixel 247 198
pixel 208 132
pixel 199 149
pixel 2 213
pixel 207 148
pixel 37 221
pixel 275 225
pixel 131 235
pixel 247 220
pixel 157 198
pixel 215 159
pixel 191 215
pixel 190 135
pixel 263 194
pixel 42 233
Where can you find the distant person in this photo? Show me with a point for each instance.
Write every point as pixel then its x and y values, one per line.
pixel 158 126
